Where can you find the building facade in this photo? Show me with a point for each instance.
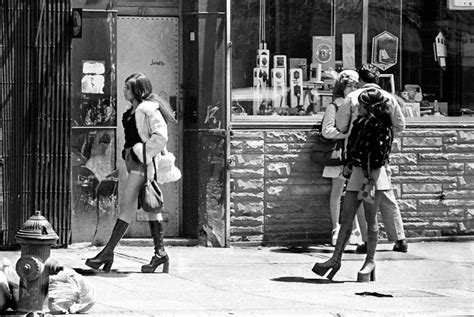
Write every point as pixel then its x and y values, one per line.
pixel 249 82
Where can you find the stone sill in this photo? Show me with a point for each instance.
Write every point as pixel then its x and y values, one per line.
pixel 251 244
pixel 312 122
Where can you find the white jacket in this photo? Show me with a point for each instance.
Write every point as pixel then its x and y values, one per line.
pixel 349 110
pixel 153 131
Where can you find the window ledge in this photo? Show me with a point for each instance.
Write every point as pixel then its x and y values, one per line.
pixel 310 122
pixel 274 121
pixel 440 121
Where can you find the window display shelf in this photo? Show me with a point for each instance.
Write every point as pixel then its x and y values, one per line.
pixel 264 102
pixel 276 121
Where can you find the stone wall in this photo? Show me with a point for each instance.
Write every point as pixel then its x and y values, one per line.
pixel 279 197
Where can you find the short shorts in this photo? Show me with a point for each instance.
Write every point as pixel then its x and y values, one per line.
pixel 133 167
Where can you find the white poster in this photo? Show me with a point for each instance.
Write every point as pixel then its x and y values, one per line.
pixel 348 51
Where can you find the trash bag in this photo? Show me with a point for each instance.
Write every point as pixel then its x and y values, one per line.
pixel 13 281
pixel 5 294
pixel 70 292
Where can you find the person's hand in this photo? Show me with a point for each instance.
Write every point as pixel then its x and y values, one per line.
pixel 347 171
pixel 366 173
pixel 134 157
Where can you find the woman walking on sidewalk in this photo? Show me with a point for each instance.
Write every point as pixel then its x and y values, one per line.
pixel 368 149
pixel 145 125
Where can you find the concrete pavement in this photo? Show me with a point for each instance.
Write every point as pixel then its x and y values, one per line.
pixel 433 278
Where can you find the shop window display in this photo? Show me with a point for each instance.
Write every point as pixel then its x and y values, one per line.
pixel 287 52
pixel 272 61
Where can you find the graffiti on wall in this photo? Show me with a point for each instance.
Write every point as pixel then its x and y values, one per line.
pixel 212 120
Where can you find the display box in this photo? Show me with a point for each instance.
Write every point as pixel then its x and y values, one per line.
pixel 300 63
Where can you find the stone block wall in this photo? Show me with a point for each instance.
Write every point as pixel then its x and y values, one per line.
pixel 433 179
pixel 278 195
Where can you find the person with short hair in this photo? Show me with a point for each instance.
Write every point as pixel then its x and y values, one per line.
pixel 391 217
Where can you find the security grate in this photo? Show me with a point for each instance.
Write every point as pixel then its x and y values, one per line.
pixel 36 98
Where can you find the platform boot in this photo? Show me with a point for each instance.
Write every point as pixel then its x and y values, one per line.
pixel 334 263
pixel 160 256
pixel 367 272
pixel 106 256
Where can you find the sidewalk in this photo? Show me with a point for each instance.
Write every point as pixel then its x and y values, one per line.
pixel 433 278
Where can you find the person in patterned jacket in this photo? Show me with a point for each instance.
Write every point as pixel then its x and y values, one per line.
pixel 368 150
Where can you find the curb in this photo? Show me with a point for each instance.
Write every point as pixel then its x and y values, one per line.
pixel 183 242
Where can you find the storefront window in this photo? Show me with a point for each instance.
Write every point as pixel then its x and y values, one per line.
pixel 286 54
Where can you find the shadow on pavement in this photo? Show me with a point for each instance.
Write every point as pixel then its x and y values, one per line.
pixel 299 279
pixel 301 250
pixel 112 273
pixel 322 249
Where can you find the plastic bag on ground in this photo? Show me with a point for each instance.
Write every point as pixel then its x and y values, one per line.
pixel 5 294
pixel 70 292
pixel 13 281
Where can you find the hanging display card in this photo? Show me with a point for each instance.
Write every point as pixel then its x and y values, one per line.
pixel 384 50
pixel 279 87
pixel 440 51
pixel 460 5
pixel 296 87
pixel 348 51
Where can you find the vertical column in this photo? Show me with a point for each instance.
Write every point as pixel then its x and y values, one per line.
pixel 204 161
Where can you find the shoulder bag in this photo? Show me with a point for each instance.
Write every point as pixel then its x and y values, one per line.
pixel 327 152
pixel 150 197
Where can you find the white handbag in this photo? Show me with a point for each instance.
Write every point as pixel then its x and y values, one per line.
pixel 166 170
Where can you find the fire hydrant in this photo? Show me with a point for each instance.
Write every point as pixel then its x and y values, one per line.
pixel 36 238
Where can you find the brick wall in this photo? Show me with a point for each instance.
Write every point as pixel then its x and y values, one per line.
pixel 279 197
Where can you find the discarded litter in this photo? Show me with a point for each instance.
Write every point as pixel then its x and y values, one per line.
pixel 70 292
pixel 373 294
pixel 9 286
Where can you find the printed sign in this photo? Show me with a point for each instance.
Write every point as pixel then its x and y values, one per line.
pixel 323 51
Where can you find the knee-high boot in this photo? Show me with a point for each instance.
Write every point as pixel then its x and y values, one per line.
pixel 106 256
pixel 334 263
pixel 367 272
pixel 160 256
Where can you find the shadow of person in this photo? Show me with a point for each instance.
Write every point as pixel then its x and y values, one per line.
pixel 93 272
pixel 301 250
pixel 299 279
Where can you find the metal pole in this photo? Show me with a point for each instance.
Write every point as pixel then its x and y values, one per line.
pixel 365 29
pixel 228 93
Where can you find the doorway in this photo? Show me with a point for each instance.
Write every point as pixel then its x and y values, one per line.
pixel 150 45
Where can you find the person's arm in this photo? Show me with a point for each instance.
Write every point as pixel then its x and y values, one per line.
pixel 396 114
pixel 398 119
pixel 158 130
pixel 344 116
pixel 328 129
